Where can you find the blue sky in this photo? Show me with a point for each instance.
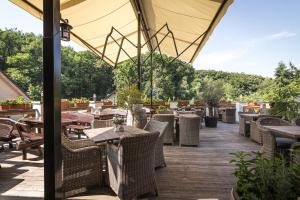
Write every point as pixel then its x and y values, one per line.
pixel 253 36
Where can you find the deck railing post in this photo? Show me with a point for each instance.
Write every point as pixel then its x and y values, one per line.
pixel 52 110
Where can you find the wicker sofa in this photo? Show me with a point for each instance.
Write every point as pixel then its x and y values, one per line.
pixel 81 165
pixel 189 126
pixel 272 145
pixel 131 165
pixel 152 126
pixel 169 135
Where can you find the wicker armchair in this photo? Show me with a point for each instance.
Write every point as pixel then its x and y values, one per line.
pixel 271 144
pixel 131 165
pixel 256 135
pixel 189 126
pixel 152 126
pixel 242 123
pixel 101 123
pixel 228 116
pixel 169 135
pixel 81 165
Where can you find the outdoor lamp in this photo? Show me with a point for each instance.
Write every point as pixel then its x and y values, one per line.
pixel 65 30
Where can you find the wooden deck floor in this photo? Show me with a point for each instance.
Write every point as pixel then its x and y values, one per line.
pixel 195 173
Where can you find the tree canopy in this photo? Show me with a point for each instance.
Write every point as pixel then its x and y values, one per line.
pixel 83 74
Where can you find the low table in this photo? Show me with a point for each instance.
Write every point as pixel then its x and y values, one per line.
pixel 77 129
pixel 292 132
pixel 99 135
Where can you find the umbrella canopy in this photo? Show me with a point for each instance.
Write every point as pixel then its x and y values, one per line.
pixel 178 28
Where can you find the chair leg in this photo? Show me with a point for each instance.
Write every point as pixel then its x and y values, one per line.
pixel 40 150
pixel 24 154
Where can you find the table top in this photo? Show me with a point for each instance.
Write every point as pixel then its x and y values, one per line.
pixel 285 131
pixel 78 127
pixel 39 120
pixel 99 135
pixel 250 114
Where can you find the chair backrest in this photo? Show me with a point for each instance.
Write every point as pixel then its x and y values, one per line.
pixel 137 147
pixel 101 123
pixel 271 121
pixel 154 125
pixel 5 130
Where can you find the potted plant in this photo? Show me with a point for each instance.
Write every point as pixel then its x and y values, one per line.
pixel 4 105
pixel 259 178
pixel 65 104
pixel 161 109
pixel 212 92
pixel 82 102
pixel 131 99
pixel 18 104
pixel 118 123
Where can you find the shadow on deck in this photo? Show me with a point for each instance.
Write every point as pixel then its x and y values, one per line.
pixel 195 173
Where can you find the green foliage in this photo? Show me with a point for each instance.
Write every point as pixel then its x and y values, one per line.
pixel 258 178
pixel 128 96
pixel 19 100
pixel 79 100
pixel 284 91
pixel 236 85
pixel 161 109
pixel 211 93
pixel 82 73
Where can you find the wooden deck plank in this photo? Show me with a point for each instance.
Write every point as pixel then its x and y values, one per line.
pixel 197 173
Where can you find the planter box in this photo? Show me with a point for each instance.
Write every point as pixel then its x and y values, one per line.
pixel 65 105
pixel 81 105
pixel 17 107
pixel 4 107
pixel 183 103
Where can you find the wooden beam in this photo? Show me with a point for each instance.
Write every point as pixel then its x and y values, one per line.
pixel 52 110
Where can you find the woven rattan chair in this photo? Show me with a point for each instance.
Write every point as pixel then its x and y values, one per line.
pixel 81 165
pixel 101 123
pixel 242 123
pixel 169 135
pixel 228 116
pixel 189 126
pixel 271 144
pixel 131 165
pixel 152 126
pixel 256 135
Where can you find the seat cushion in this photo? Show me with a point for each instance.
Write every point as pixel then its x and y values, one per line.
pixel 284 143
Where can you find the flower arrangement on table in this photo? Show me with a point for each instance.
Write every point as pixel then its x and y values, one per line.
pixel 118 122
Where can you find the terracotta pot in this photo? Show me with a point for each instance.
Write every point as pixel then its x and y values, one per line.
pixel 4 107
pixel 107 103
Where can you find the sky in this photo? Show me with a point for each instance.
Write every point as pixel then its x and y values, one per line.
pixel 253 36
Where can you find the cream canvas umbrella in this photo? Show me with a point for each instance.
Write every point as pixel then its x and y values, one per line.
pixel 180 27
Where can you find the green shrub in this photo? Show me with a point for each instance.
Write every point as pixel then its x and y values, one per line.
pixel 262 179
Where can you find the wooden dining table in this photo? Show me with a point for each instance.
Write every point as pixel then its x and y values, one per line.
pixel 292 132
pixel 38 122
pixel 100 135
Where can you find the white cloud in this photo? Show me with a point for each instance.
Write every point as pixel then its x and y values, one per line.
pixel 280 35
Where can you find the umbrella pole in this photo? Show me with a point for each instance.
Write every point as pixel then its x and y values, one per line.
pixel 139 52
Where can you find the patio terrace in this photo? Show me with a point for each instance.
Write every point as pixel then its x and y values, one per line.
pixel 196 173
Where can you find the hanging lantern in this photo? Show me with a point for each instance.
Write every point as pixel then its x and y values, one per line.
pixel 65 30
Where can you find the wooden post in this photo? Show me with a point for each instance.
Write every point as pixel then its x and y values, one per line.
pixel 52 110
